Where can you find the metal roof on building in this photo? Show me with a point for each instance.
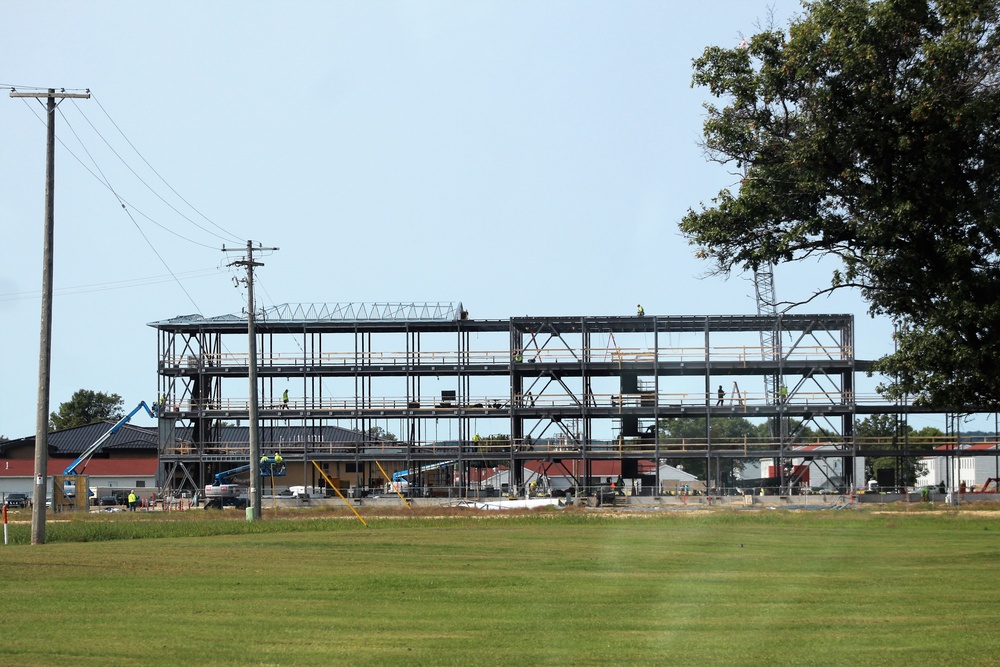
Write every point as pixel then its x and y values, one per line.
pixel 130 467
pixel 76 440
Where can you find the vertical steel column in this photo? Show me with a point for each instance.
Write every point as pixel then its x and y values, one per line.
pixel 656 405
pixel 708 410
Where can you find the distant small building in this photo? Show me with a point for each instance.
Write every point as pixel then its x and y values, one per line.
pixel 982 463
pixel 814 466
pixel 127 460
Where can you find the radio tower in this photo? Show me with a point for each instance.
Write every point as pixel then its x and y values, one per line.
pixel 770 346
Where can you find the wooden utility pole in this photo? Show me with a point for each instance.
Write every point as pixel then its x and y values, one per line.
pixel 255 488
pixel 45 351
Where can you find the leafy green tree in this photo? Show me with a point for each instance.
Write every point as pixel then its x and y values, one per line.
pixel 379 433
pixel 723 428
pixel 490 448
pixel 891 434
pixel 86 407
pixel 869 134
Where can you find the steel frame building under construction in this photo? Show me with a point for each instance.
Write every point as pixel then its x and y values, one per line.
pixel 478 393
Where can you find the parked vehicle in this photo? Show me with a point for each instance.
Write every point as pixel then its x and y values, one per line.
pixel 18 500
pixel 306 491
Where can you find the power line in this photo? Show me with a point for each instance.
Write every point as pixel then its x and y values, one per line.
pixel 209 220
pixel 120 199
pixel 148 186
pixel 162 261
pixel 112 285
pixel 136 224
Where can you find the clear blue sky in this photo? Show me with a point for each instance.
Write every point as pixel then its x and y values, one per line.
pixel 520 157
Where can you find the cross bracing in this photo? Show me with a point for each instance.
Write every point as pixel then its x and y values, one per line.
pixel 588 387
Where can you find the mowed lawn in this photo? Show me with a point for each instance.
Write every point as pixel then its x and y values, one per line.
pixel 551 588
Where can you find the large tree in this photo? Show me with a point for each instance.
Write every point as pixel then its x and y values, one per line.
pixel 869 133
pixel 86 407
pixel 724 429
pixel 889 433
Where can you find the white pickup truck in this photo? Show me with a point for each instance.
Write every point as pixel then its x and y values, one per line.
pixel 307 491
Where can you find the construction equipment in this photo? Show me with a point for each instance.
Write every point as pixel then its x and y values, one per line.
pixel 400 484
pixel 995 481
pixel 221 493
pixel 69 487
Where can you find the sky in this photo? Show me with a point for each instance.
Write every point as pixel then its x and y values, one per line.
pixel 519 157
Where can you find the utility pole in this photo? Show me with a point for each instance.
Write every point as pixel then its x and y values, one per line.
pixel 255 488
pixel 45 345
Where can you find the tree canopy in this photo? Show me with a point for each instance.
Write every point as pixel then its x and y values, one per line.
pixel 86 407
pixel 893 434
pixel 723 428
pixel 869 133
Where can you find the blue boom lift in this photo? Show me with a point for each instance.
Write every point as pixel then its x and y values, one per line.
pixel 220 493
pixel 69 489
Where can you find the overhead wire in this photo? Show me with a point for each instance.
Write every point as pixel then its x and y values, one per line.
pixel 229 235
pixel 124 207
pixel 121 199
pixel 112 285
pixel 151 168
pixel 129 208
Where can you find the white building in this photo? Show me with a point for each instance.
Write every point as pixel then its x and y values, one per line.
pixel 818 466
pixel 952 471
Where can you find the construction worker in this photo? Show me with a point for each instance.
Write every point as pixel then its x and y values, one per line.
pixel 284 399
pixel 132 498
pixel 722 396
pixel 278 465
pixel 641 311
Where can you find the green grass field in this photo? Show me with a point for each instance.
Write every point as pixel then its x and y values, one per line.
pixel 545 588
